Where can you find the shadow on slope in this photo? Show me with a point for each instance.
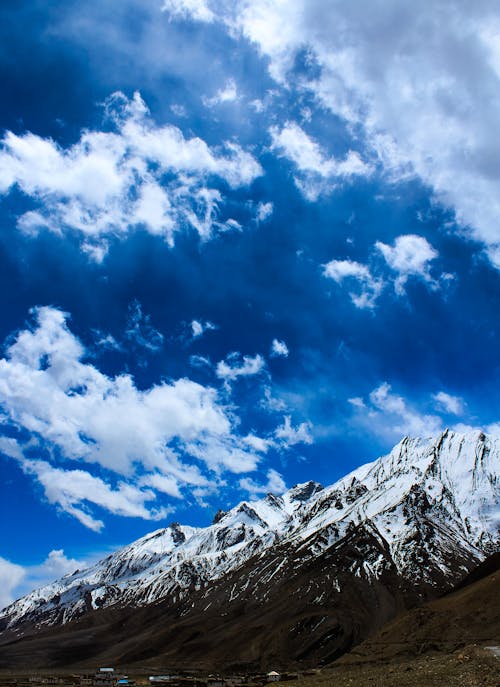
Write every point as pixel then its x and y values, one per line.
pixel 467 616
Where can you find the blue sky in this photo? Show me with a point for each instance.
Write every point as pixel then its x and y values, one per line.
pixel 237 253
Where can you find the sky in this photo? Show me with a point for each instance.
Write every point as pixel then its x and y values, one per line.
pixel 244 244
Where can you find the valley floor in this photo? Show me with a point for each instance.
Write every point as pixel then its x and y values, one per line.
pixel 470 667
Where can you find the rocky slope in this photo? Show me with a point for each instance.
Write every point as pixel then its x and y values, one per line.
pixel 312 572
pixel 468 616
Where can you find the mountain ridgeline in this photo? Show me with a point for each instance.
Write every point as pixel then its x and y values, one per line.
pixel 296 579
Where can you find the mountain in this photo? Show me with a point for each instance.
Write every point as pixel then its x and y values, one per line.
pixel 296 578
pixel 451 641
pixel 467 616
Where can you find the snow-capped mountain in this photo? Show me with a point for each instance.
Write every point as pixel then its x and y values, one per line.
pixel 168 562
pixel 423 515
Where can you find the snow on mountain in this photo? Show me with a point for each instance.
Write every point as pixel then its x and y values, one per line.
pixel 433 504
pixel 452 479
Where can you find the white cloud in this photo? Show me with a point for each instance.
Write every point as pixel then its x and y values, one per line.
pixel 236 456
pixel 421 81
pixel 258 105
pixel 227 94
pixel 450 404
pixel 73 490
pixel 258 443
pixel 235 366
pixel 107 341
pixel 279 349
pixel 391 416
pixel 173 434
pixel 271 403
pixel 288 435
pixel 370 287
pixel 199 361
pixel 464 428
pixel 264 211
pixel 179 110
pixel 199 328
pixel 275 484
pixel 110 182
pixel 55 566
pixel 410 255
pixel 17 580
pixel 11 575
pixel 95 251
pixel 166 484
pixel 314 167
pixel 196 9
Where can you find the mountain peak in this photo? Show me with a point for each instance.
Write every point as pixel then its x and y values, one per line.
pixel 304 491
pixel 218 516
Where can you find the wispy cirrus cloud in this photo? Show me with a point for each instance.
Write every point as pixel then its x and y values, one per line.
pixel 140 331
pixel 227 94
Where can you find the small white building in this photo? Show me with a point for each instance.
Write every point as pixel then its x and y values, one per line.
pixel 273 676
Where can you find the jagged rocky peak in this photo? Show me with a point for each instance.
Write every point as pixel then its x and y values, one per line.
pixel 274 501
pixel 245 510
pixel 303 492
pixel 218 516
pixel 178 536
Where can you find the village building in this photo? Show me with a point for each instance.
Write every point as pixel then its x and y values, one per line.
pixel 215 682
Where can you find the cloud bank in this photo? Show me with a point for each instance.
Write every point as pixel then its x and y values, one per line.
pixel 138 175
pixel 175 434
pixel 406 80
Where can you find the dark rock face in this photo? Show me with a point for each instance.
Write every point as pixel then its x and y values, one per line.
pixel 303 492
pixel 218 516
pixel 178 536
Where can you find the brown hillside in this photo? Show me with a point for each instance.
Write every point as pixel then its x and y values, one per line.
pixel 468 616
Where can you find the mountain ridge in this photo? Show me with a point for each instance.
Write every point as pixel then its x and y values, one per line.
pixel 396 531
